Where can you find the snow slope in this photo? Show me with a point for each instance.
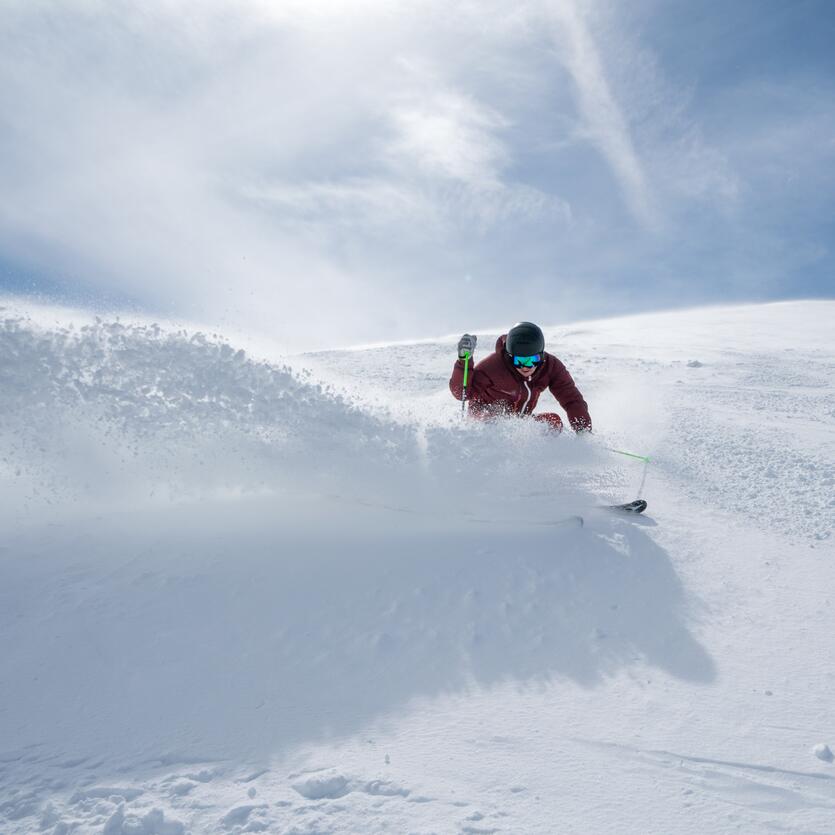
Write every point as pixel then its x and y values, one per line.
pixel 240 594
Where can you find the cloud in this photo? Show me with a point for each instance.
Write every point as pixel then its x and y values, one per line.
pixel 200 157
pixel 295 167
pixel 450 135
pixel 603 122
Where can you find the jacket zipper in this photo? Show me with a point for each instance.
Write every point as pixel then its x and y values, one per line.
pixel 528 400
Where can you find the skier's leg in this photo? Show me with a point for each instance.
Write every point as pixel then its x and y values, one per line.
pixel 552 419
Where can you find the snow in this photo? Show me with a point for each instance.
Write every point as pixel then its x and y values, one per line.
pixel 823 752
pixel 243 593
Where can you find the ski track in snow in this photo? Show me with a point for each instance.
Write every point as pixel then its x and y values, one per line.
pixel 238 596
pixel 751 451
pixel 761 788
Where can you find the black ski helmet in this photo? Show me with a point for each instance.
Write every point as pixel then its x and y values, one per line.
pixel 525 339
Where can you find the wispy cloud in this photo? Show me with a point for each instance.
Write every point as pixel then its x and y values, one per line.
pixel 603 122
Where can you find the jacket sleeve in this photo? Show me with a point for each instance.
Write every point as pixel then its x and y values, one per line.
pixel 562 386
pixel 477 385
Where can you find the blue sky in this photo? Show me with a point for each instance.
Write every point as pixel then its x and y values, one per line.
pixel 331 173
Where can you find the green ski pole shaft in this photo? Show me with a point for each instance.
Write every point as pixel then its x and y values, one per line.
pixel 466 377
pixel 628 454
pixel 644 458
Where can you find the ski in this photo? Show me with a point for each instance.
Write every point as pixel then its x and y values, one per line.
pixel 638 506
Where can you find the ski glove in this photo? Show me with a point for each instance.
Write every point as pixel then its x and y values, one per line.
pixel 466 345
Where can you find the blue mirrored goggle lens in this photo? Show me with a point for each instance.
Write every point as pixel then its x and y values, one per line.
pixel 528 362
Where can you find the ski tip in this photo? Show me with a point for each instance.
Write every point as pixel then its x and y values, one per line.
pixel 638 506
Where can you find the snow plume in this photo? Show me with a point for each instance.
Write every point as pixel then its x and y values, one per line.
pixel 119 414
pixel 130 411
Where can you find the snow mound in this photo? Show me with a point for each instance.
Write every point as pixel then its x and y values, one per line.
pixel 823 752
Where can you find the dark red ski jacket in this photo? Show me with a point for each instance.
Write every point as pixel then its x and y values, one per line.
pixel 495 388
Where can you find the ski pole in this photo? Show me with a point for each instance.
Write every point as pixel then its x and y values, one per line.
pixel 466 375
pixel 644 458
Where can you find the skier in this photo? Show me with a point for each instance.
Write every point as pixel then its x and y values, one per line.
pixel 510 380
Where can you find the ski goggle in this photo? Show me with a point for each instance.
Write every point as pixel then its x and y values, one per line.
pixel 528 362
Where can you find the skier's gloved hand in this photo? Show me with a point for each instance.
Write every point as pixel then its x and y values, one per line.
pixel 466 345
